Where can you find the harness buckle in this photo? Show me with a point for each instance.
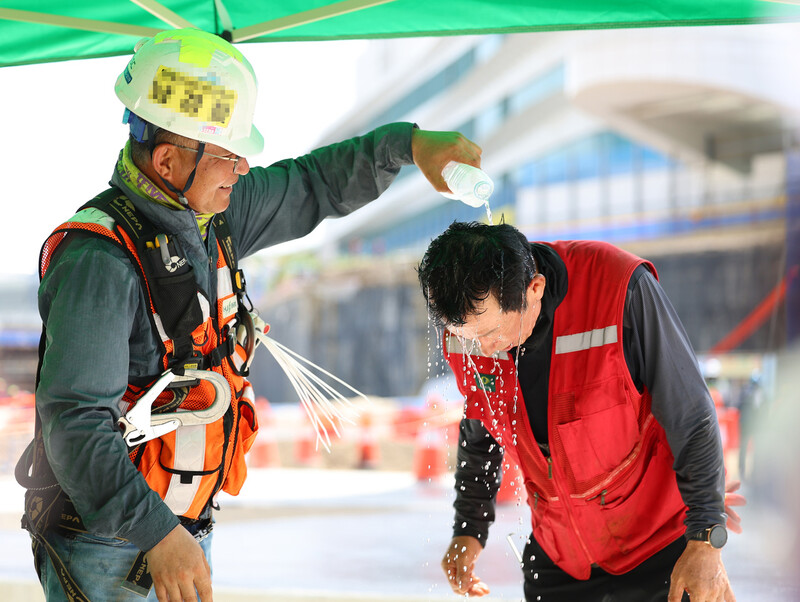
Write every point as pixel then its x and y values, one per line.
pixel 239 282
pixel 223 350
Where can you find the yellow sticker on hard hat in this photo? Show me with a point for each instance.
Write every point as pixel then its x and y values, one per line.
pixel 193 97
pixel 198 47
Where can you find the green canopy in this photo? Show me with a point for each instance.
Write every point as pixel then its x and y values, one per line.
pixel 35 31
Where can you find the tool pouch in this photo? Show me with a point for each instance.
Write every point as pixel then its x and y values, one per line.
pixel 175 293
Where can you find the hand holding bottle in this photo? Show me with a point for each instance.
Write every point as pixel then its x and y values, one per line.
pixel 432 150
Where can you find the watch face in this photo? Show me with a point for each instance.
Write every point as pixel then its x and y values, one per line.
pixel 717 536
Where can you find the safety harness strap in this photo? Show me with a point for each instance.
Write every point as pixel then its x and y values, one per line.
pixel 223 233
pixel 164 270
pixel 47 507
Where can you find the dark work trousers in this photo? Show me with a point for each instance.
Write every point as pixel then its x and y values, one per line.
pixel 648 582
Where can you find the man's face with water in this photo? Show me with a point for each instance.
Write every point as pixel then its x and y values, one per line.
pixel 495 330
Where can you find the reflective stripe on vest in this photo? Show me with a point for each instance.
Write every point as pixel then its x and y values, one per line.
pixel 190 446
pixel 228 303
pixel 586 340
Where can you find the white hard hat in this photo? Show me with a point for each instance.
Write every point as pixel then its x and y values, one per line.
pixel 194 84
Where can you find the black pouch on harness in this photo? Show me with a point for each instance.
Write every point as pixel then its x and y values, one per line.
pixel 175 289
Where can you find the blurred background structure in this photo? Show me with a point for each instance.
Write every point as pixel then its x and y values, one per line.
pixel 678 144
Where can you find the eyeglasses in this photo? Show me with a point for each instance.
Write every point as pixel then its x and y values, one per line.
pixel 235 158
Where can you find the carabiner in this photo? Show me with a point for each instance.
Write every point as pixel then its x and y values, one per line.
pixel 140 424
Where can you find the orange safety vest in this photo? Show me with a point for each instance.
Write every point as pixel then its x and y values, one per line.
pixel 607 494
pixel 188 466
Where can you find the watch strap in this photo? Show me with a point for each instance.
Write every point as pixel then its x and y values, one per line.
pixel 716 536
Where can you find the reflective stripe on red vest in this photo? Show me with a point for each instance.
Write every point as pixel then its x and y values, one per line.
pixel 190 465
pixel 607 495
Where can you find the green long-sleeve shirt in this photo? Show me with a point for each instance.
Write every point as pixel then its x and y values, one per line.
pixel 97 319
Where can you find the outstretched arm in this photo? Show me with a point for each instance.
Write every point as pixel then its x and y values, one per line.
pixel 290 198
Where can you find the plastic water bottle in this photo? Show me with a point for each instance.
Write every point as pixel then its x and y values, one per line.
pixel 468 184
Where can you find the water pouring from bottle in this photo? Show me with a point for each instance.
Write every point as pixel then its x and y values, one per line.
pixel 469 185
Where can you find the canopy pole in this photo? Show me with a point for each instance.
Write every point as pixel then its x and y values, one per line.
pixel 308 16
pixel 224 16
pixel 28 16
pixel 160 11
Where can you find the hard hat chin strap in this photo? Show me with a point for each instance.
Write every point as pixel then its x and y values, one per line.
pixel 145 132
pixel 182 193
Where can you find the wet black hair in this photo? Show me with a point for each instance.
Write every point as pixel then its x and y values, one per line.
pixel 470 261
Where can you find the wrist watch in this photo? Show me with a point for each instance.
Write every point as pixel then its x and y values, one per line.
pixel 715 536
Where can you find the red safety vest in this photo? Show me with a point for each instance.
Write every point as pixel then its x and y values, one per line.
pixel 188 466
pixel 607 495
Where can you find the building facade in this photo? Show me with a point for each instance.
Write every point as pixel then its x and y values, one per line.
pixel 674 143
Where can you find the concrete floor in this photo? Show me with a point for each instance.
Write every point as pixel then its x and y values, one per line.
pixel 334 535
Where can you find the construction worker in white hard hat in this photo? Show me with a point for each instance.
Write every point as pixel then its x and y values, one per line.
pixel 144 411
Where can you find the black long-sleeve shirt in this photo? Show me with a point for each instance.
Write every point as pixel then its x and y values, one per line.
pixel 659 357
